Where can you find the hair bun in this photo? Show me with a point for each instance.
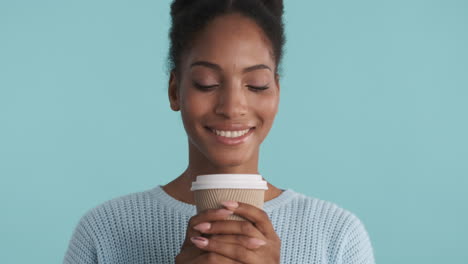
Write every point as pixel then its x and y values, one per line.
pixel 276 7
pixel 180 5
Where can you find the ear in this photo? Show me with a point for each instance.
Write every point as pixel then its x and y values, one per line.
pixel 277 81
pixel 173 92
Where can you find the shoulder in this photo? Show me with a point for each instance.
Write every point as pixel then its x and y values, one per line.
pixel 316 215
pixel 117 209
pixel 345 231
pixel 317 209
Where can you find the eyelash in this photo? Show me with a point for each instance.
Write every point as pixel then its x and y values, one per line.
pixel 208 88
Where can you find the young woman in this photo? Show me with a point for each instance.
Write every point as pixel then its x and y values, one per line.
pixel 224 80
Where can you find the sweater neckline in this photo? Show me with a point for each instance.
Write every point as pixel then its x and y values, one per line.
pixel 186 208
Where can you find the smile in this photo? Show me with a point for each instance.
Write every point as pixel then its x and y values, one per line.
pixel 231 137
pixel 230 134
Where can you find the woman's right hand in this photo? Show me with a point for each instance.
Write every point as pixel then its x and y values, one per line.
pixel 190 254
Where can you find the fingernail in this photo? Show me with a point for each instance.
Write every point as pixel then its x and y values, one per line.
pixel 202 227
pixel 230 204
pixel 199 241
pixel 257 242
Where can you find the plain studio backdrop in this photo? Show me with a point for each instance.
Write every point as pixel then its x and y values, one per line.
pixel 372 116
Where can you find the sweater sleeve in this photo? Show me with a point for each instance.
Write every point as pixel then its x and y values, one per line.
pixel 357 245
pixel 81 248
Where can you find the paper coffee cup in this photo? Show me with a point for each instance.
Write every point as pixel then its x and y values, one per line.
pixel 212 189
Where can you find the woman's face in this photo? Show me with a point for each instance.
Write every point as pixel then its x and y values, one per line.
pixel 227 83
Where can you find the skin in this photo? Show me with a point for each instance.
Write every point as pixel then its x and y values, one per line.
pixel 234 43
pixel 230 241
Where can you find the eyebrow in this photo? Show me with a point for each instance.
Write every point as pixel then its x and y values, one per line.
pixel 218 68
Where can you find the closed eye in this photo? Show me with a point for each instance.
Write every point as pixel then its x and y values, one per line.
pixel 258 88
pixel 204 87
pixel 209 87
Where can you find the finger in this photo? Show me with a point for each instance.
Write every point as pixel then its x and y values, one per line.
pixel 230 227
pixel 188 252
pixel 189 248
pixel 254 214
pixel 204 216
pixel 245 241
pixel 232 251
pixel 211 257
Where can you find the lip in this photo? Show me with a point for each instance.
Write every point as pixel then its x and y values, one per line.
pixel 231 141
pixel 231 127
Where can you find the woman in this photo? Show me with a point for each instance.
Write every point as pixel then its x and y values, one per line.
pixel 224 79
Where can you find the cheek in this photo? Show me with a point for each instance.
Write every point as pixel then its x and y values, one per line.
pixel 266 108
pixel 194 104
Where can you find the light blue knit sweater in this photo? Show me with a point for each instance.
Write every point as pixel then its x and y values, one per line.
pixel 150 226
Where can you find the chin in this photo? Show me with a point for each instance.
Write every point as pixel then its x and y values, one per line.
pixel 227 162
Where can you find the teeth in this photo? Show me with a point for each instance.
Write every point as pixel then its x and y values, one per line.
pixel 230 134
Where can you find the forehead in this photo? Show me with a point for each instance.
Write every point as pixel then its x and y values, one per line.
pixel 232 41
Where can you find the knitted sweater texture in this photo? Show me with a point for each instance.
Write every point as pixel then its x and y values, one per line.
pixel 149 227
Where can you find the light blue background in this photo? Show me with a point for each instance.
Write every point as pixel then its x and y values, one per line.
pixel 373 116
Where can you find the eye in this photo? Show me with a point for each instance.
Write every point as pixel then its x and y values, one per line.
pixel 258 88
pixel 204 87
pixel 210 87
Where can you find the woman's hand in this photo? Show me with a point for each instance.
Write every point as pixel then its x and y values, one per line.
pixel 252 241
pixel 189 253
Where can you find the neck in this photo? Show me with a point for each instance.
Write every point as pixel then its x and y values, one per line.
pixel 199 165
pixel 179 188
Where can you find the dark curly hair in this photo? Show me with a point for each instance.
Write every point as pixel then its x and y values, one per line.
pixel 190 16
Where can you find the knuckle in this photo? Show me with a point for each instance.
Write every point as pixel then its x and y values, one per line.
pixel 209 211
pixel 215 211
pixel 215 237
pixel 205 215
pixel 184 245
pixel 276 243
pixel 240 239
pixel 220 239
pixel 247 227
pixel 240 255
pixel 212 245
pixel 192 220
pixel 198 218
pixel 211 257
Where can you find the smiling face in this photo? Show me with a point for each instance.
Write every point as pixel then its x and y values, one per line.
pixel 227 83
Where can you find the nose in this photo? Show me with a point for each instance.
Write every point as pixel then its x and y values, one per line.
pixel 232 102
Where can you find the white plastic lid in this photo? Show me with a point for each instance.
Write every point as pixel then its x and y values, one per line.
pixel 229 181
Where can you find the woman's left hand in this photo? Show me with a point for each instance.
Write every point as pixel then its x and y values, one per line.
pixel 239 240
